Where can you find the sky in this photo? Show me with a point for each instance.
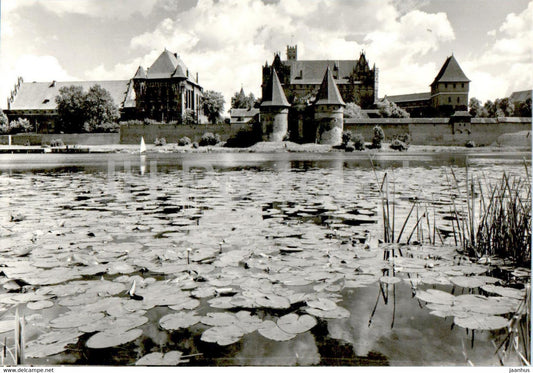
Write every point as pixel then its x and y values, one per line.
pixel 228 41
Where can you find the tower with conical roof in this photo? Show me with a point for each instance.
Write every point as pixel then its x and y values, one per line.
pixel 274 110
pixel 449 90
pixel 329 111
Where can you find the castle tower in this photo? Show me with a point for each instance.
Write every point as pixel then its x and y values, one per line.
pixel 274 110
pixel 329 111
pixel 292 53
pixel 449 90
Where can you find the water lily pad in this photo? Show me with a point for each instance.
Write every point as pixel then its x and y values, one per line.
pixel 51 343
pixel 221 302
pixel 112 338
pixel 247 322
pixel 39 305
pixel 504 291
pixel 219 319
pixel 322 304
pixel 336 313
pixel 185 304
pixel 171 358
pixel 223 335
pixel 75 320
pixel 467 281
pixel 175 321
pixel 272 301
pixel 7 325
pixel 481 322
pixel 269 329
pixel 435 296
pixel 295 324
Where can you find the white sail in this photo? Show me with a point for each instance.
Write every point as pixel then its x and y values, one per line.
pixel 143 145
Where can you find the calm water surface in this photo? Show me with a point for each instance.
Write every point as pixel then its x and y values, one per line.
pixel 254 224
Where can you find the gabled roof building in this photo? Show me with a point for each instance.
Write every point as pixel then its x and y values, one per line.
pixel 166 91
pixel 449 93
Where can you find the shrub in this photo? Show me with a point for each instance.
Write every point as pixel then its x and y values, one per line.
pixel 358 141
pixel 379 136
pixel 470 144
pixel 160 141
pixel 209 139
pixel 349 148
pixel 57 143
pixel 346 137
pixel 189 117
pixel 243 139
pixel 20 125
pixel 398 145
pixel 148 121
pixel 195 145
pixel 184 141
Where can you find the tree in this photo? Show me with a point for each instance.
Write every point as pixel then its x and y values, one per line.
pixel 4 123
pixel 475 107
pixel 504 107
pixel 70 109
pixel 241 101
pixel 489 109
pixel 189 117
pixel 20 125
pixel 352 110
pixel 212 105
pixel 523 109
pixel 99 108
pixel 379 136
pixel 389 109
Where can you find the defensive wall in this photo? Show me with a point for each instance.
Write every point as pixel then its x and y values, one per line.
pixel 423 131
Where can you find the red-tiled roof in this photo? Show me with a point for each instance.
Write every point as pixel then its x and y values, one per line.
pixel 41 95
pixel 274 95
pixel 423 96
pixel 328 94
pixel 450 72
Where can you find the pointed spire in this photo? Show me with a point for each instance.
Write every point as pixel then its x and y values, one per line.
pixel 274 95
pixel 140 74
pixel 329 93
pixel 450 72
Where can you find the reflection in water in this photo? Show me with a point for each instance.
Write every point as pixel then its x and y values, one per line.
pixel 262 203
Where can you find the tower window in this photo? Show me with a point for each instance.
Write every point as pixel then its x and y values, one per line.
pixel 462 85
pixel 458 100
pixel 449 99
pixel 445 85
pixel 453 85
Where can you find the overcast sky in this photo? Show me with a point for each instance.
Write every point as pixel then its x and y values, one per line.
pixel 227 41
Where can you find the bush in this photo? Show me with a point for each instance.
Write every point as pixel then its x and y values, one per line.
pixel 189 117
pixel 209 139
pixel 243 139
pixel 184 141
pixel 346 137
pixel 349 148
pixel 19 125
pixel 358 141
pixel 398 145
pixel 148 121
pixel 379 136
pixel 57 143
pixel 470 144
pixel 160 141
pixel 195 145
pixel 107 127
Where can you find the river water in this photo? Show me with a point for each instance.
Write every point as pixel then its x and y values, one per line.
pixel 267 234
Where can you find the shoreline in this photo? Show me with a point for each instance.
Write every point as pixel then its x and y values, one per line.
pixel 268 147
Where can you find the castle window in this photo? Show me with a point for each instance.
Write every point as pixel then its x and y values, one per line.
pixel 453 85
pixel 458 100
pixel 449 99
pixel 462 85
pixel 445 85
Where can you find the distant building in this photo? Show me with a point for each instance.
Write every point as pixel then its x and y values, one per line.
pixel 449 93
pixel 243 116
pixel 163 92
pixel 301 79
pixel 36 102
pixel 166 90
pixel 520 96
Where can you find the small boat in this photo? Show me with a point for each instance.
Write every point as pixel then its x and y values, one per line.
pixel 143 146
